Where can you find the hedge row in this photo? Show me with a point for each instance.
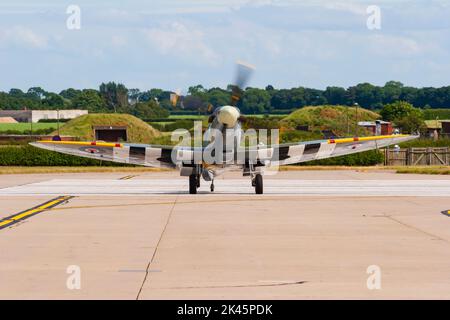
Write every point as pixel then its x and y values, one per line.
pixel 363 159
pixel 178 124
pixel 27 131
pixel 427 143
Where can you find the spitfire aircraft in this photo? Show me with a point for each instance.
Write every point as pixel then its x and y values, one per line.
pixel 225 149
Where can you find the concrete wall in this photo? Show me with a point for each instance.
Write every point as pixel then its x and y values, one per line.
pixel 18 115
pixel 36 115
pixel 53 114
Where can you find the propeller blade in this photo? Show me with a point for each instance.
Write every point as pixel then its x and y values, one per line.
pixel 173 99
pixel 244 71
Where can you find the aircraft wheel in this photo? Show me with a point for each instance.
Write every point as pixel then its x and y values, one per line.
pixel 193 184
pixel 259 184
pixel 212 187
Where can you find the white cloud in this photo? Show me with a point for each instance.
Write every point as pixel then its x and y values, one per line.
pixel 118 41
pixel 22 36
pixel 182 41
pixel 177 43
pixel 393 46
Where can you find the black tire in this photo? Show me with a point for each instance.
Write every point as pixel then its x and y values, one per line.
pixel 193 184
pixel 259 184
pixel 198 181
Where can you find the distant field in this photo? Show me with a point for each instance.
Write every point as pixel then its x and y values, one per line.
pixel 433 114
pixel 182 117
pixel 27 126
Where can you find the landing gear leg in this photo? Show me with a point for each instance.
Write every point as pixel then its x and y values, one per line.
pixel 193 183
pixel 212 186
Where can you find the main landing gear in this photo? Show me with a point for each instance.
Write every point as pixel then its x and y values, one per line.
pixel 257 183
pixel 194 183
pixel 255 176
pixel 195 173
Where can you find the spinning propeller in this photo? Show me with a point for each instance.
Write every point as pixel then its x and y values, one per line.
pixel 244 71
pixel 243 74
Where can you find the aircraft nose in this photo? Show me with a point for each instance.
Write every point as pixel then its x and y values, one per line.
pixel 228 115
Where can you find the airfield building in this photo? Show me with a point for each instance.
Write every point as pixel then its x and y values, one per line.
pixel 36 115
pixel 378 128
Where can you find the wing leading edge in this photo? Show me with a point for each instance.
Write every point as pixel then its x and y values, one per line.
pixel 161 156
pixel 285 154
pixel 137 154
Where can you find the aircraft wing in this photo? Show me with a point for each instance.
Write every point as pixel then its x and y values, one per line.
pixel 161 156
pixel 138 154
pixel 292 153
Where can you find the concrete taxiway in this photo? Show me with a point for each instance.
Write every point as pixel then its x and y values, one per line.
pixel 313 234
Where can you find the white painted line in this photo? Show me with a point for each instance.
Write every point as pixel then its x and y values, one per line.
pixel 104 187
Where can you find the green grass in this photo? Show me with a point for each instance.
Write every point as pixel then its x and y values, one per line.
pixel 330 118
pixel 426 143
pixel 27 126
pixel 137 130
pixel 439 170
pixel 433 114
pixel 183 117
pixel 163 123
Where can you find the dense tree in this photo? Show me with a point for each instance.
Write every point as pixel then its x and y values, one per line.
pixel 396 110
pixel 368 96
pixel 36 93
pixel 412 122
pixel 69 93
pixel 335 95
pixel 280 100
pixel 147 110
pixel 89 99
pixel 218 97
pixel 115 97
pixel 255 101
pixel 16 93
pixel 404 115
pixel 196 89
pixel 53 101
pixel 392 91
pixel 134 96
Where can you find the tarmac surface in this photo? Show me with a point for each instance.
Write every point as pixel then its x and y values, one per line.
pixel 313 234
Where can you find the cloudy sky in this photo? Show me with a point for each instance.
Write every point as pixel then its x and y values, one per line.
pixel 173 44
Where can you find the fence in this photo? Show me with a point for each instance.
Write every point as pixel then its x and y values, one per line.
pixel 417 157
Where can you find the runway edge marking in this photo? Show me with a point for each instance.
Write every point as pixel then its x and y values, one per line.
pixel 17 217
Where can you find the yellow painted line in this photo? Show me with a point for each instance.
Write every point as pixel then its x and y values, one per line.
pixel 8 221
pixel 373 138
pixel 84 143
pixel 128 177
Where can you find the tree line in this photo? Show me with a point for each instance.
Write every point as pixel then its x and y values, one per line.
pixel 116 97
